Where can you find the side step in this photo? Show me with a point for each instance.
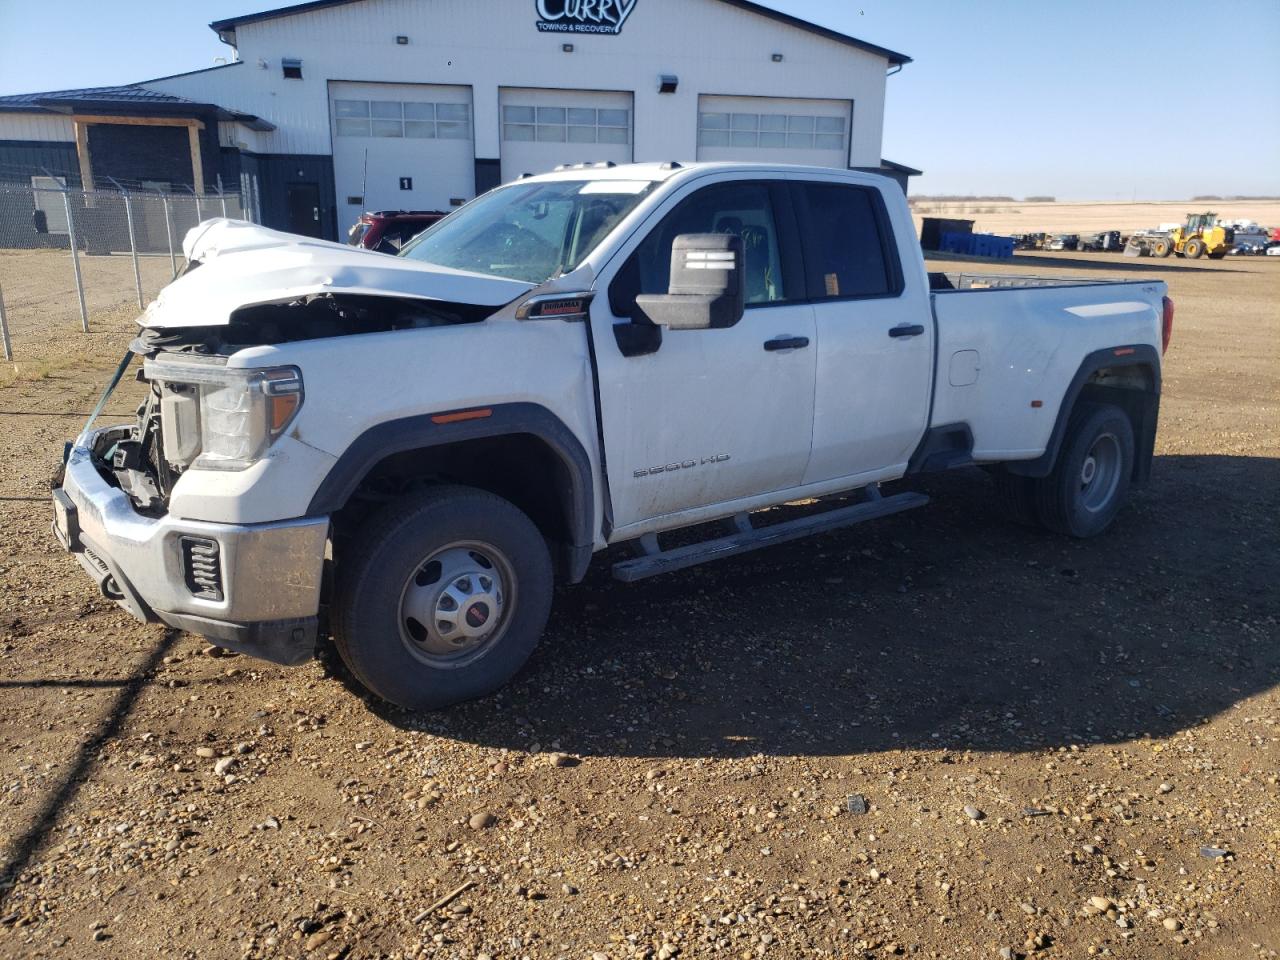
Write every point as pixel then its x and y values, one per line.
pixel 748 538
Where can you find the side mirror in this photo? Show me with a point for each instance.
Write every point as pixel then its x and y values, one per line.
pixel 708 286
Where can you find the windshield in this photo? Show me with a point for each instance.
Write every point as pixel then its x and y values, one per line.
pixel 532 231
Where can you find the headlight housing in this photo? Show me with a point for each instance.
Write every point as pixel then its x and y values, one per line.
pixel 222 418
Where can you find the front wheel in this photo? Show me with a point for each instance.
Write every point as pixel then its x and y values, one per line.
pixel 442 597
pixel 1090 481
pixel 1194 249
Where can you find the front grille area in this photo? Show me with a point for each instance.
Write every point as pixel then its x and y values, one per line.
pixel 202 568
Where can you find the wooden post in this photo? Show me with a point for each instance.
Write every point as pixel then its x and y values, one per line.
pixel 197 165
pixel 82 154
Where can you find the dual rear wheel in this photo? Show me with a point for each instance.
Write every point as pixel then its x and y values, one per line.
pixel 1089 482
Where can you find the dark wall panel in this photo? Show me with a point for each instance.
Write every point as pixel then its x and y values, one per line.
pixel 276 171
pixel 20 160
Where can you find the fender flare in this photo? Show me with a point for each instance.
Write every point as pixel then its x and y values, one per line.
pixel 577 498
pixel 1129 355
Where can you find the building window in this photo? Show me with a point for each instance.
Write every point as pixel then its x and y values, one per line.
pixel 292 68
pixel 396 118
pixel 566 125
pixel 771 131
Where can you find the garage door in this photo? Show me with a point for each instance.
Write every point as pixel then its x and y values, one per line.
pixel 775 130
pixel 400 146
pixel 542 129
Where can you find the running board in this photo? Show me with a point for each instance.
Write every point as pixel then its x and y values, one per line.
pixel 748 538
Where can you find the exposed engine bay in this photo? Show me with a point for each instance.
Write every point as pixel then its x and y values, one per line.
pixel 147 459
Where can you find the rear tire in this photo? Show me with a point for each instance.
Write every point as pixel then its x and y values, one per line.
pixel 1161 248
pixel 442 597
pixel 1090 480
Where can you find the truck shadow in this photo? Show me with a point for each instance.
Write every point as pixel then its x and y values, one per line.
pixel 947 628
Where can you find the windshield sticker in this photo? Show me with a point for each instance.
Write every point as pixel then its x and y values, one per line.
pixel 584 16
pixel 625 187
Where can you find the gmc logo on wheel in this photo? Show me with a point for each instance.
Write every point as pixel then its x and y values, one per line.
pixel 584 16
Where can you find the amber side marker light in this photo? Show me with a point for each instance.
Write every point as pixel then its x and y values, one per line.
pixel 462 416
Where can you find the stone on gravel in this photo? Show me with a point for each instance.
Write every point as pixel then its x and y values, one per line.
pixel 224 765
pixel 973 813
pixel 1101 904
pixel 482 821
pixel 1169 923
pixel 208 753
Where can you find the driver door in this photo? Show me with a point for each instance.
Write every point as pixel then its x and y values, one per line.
pixel 711 416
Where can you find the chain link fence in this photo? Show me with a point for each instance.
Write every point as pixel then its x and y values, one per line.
pixel 73 260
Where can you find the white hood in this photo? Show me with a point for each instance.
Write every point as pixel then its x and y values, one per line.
pixel 242 265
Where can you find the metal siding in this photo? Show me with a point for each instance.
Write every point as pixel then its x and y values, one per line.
pixel 275 172
pixel 713 47
pixel 20 160
pixel 36 126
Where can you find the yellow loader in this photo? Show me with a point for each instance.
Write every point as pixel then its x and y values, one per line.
pixel 1200 236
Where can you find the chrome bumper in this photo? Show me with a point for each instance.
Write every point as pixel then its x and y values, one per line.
pixel 270 573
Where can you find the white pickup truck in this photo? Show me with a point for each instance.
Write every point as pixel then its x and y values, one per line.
pixel 405 453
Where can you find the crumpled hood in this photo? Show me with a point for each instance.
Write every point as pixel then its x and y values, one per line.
pixel 242 265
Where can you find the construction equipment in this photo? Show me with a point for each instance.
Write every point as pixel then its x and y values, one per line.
pixel 1200 236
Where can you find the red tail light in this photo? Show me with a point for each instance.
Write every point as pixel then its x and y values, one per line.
pixel 1166 332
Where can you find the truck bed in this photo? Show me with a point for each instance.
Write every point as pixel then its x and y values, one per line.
pixel 1008 350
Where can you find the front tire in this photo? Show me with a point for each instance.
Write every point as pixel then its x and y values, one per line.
pixel 442 597
pixel 1194 249
pixel 1090 481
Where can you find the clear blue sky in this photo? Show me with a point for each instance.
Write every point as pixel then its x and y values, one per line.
pixel 1081 99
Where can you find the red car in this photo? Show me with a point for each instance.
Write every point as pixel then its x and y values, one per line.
pixel 388 230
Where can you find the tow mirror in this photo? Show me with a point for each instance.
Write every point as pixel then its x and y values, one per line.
pixel 707 290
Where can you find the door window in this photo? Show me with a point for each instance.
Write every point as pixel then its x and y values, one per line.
pixel 743 209
pixel 847 249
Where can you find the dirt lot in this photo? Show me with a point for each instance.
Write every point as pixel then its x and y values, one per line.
pixel 1109 708
pixel 1006 218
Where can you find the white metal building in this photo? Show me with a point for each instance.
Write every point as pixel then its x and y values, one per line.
pixel 353 105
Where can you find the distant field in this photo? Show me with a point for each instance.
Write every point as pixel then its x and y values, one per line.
pixel 1006 218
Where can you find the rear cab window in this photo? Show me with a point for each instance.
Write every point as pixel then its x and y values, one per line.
pixel 849 251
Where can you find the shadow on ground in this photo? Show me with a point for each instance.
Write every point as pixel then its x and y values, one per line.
pixel 945 628
pixel 1119 263
pixel 22 848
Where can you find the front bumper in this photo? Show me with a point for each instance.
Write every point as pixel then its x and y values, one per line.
pixel 269 573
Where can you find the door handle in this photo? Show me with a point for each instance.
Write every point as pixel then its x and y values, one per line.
pixel 786 343
pixel 906 330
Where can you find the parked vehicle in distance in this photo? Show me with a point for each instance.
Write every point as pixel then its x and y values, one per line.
pixel 1063 241
pixel 1029 241
pixel 1102 242
pixel 1273 250
pixel 387 231
pixel 414 450
pixel 1248 249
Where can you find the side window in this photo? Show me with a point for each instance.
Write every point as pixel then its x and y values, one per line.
pixel 743 209
pixel 848 250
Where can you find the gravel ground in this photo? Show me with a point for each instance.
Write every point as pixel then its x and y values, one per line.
pixel 1062 749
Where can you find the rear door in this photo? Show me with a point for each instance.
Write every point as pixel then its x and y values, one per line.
pixel 875 335
pixel 718 415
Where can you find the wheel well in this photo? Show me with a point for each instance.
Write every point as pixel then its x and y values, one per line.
pixel 520 468
pixel 1132 388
